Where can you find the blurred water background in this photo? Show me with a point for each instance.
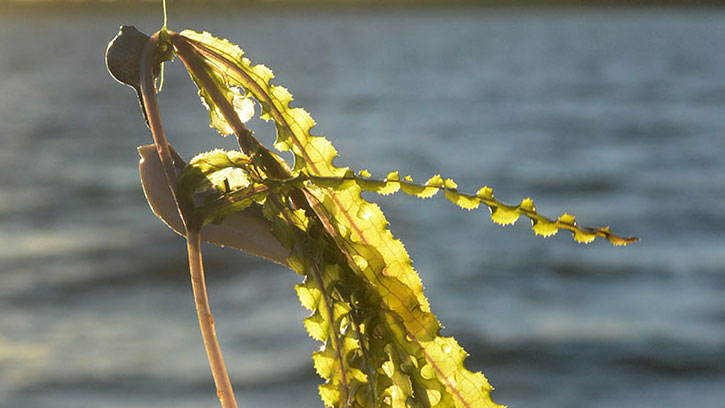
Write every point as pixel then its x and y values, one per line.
pixel 617 116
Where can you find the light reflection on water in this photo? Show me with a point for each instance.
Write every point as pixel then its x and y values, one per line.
pixel 613 116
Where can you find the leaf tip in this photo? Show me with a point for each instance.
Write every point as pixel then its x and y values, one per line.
pixel 485 193
pixel 527 204
pixel 567 219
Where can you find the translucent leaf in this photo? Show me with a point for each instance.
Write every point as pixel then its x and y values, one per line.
pixel 411 188
pixel 315 154
pixel 381 343
pixel 501 213
pixel 247 231
pixel 214 170
pixel 243 106
pixel 218 183
pixel 504 215
pixel 545 228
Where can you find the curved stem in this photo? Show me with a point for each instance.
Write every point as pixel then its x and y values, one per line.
pixel 206 321
pixel 193 233
pixel 151 105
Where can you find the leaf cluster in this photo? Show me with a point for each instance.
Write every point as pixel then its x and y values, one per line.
pixel 381 344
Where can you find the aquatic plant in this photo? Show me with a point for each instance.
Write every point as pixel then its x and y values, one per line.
pixel 381 344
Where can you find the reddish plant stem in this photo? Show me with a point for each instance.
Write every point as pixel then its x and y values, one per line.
pixel 206 321
pixel 151 104
pixel 224 388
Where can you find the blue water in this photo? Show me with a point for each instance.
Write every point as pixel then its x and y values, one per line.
pixel 615 116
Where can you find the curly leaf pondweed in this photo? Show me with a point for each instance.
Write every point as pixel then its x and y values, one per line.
pixel 381 342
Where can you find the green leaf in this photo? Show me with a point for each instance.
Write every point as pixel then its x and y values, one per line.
pixel 411 188
pixel 354 266
pixel 383 272
pixel 215 170
pixel 219 183
pixel 312 153
pixel 381 343
pixel 242 105
pixel 501 213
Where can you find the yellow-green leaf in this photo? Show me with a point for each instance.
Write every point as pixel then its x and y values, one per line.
pixel 381 343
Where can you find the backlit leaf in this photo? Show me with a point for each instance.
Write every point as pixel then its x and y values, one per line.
pixel 381 345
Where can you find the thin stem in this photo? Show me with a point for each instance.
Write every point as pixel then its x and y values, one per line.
pixel 193 233
pixel 206 321
pixel 163 5
pixel 151 104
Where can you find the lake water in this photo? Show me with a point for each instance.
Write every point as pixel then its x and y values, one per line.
pixel 615 116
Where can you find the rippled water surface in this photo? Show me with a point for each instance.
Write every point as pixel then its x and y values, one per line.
pixel 615 116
